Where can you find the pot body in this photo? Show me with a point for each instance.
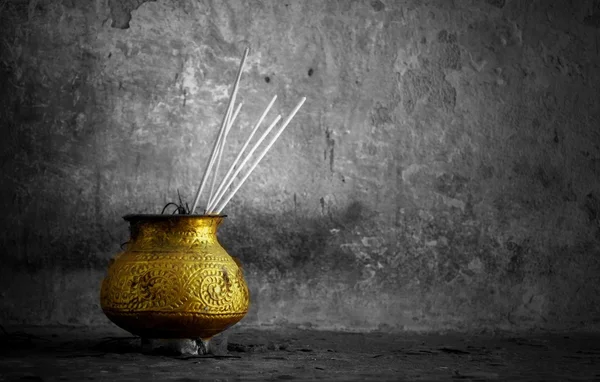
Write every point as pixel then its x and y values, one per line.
pixel 174 280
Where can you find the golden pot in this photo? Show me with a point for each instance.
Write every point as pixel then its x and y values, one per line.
pixel 174 280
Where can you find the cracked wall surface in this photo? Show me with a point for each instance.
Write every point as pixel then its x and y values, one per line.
pixel 443 173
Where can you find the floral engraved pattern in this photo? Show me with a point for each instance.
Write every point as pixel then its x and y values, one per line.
pixel 143 287
pixel 216 289
pixel 166 282
pixel 170 276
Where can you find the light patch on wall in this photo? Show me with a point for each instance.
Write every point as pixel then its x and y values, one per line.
pixel 189 82
pixel 476 265
pixel 218 92
pixel 406 59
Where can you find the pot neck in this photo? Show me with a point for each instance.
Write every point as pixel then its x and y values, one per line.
pixel 167 231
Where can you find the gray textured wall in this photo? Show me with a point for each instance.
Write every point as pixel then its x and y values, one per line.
pixel 443 173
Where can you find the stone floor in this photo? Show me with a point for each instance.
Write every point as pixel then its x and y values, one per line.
pixel 62 354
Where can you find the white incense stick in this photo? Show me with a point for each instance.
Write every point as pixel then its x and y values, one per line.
pixel 219 191
pixel 211 161
pixel 219 196
pixel 264 152
pixel 221 149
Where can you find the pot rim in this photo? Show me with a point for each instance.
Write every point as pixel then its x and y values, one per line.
pixel 130 217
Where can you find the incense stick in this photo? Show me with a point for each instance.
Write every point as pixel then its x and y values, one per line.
pixel 219 196
pixel 221 149
pixel 221 131
pixel 219 191
pixel 264 152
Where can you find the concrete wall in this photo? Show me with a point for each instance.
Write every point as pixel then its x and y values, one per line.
pixel 443 173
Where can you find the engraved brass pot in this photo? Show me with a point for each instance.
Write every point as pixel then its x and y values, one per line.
pixel 174 279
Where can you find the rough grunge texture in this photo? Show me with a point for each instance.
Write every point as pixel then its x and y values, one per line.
pixel 443 173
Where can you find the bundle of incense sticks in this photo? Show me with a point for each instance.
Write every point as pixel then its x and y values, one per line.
pixel 221 195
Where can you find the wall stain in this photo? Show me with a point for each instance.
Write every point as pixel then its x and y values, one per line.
pixel 120 11
pixel 330 149
pixel 377 5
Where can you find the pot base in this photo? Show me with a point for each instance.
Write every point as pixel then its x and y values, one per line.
pixel 174 324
